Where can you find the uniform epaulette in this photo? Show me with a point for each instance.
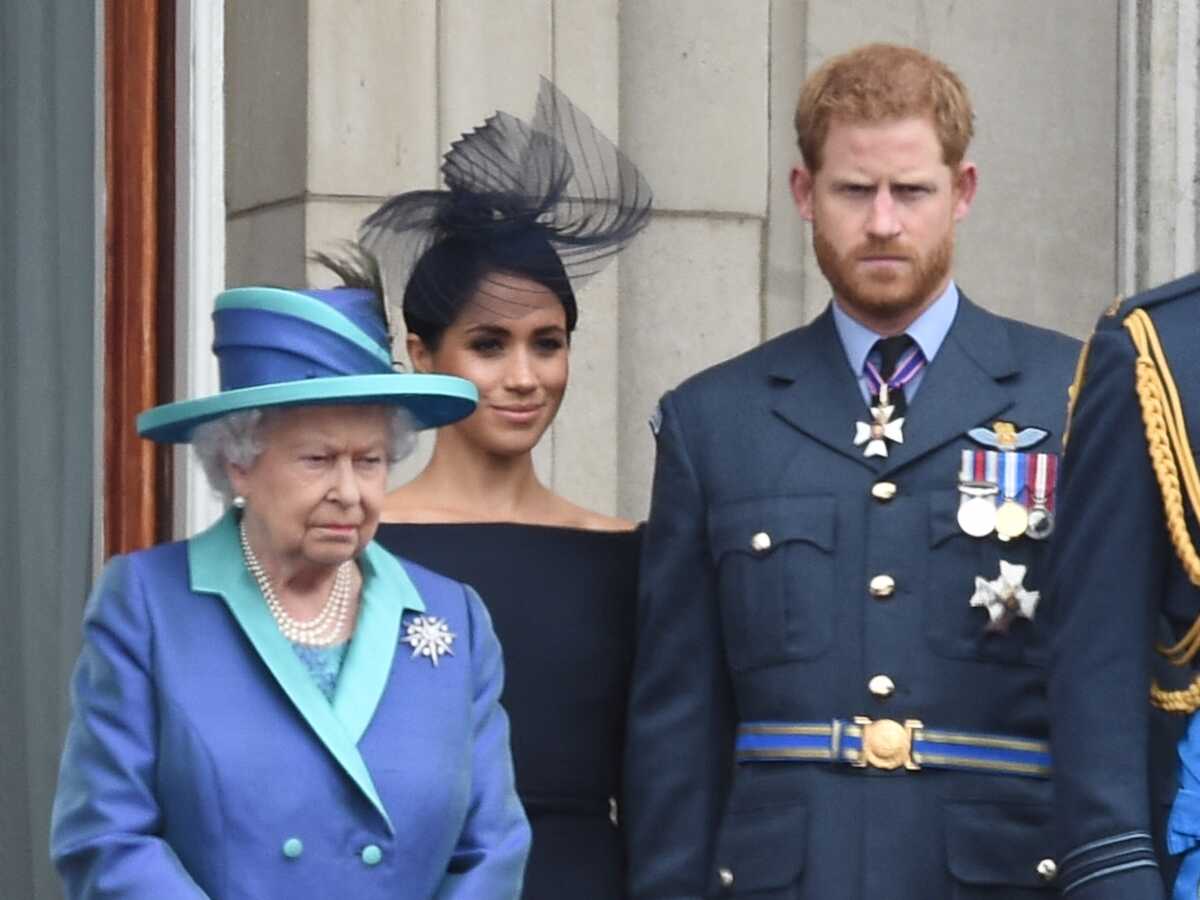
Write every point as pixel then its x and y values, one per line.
pixel 1186 286
pixel 1115 317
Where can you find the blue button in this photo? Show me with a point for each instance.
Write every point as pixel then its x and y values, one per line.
pixel 293 847
pixel 371 855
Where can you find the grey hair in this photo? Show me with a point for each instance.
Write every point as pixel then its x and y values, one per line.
pixel 237 438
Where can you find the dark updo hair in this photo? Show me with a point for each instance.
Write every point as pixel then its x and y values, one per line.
pixel 456 268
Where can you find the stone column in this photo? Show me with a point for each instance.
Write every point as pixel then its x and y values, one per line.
pixel 1160 96
pixel 694 96
pixel 329 107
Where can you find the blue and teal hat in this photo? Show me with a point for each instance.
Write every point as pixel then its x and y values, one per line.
pixel 293 348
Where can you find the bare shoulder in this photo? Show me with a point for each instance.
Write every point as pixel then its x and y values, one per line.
pixel 600 522
pixel 409 504
pixel 572 515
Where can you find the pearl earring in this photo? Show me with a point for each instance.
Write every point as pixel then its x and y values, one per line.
pixel 239 502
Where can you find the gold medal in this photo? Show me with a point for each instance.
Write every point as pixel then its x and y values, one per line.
pixel 1011 520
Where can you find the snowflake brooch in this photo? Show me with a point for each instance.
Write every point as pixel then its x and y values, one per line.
pixel 429 636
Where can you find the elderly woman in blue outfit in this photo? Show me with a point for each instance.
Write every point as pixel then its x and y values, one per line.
pixel 278 707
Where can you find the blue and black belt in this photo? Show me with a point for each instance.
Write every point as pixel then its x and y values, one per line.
pixel 889 744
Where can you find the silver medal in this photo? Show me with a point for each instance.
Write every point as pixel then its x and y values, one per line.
pixel 977 516
pixel 1041 520
pixel 1041 523
pixel 977 509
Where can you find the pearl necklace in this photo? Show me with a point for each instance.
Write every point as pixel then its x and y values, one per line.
pixel 321 631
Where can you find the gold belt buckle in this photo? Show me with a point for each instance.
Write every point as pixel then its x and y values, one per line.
pixel 887 744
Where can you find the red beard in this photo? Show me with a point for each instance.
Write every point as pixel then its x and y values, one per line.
pixel 887 294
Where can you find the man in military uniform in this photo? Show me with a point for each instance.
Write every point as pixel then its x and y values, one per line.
pixel 1126 565
pixel 839 690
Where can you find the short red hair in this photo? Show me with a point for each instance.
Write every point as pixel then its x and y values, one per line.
pixel 879 82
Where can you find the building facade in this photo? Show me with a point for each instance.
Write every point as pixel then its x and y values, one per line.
pixel 1086 143
pixel 288 120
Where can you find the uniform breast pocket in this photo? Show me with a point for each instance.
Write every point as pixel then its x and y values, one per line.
pixel 955 627
pixel 775 569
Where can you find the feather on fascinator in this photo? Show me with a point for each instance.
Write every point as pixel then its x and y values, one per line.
pixel 552 200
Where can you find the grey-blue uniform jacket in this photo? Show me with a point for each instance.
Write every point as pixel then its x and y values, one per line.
pixel 1117 577
pixel 767 526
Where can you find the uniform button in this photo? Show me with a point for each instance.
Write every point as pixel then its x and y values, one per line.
pixel 882 586
pixel 883 491
pixel 881 686
pixel 1047 870
pixel 761 542
pixel 725 876
pixel 371 855
pixel 293 847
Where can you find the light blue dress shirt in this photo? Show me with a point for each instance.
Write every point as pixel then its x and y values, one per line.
pixel 929 330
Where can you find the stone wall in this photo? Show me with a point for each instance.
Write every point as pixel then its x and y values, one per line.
pixel 1085 141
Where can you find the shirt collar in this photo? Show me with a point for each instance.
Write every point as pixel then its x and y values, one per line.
pixel 929 330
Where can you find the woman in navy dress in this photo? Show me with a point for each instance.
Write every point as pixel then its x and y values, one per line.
pixel 530 211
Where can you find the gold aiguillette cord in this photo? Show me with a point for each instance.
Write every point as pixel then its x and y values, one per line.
pixel 1171 457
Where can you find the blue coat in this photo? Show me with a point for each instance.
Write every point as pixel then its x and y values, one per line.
pixel 766 528
pixel 1122 590
pixel 203 761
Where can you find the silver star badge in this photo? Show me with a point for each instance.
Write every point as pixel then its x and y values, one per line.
pixel 429 636
pixel 883 428
pixel 1005 598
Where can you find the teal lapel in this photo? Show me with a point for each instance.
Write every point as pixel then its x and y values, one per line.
pixel 387 593
pixel 214 560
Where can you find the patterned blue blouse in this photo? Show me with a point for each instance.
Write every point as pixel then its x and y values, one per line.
pixel 324 664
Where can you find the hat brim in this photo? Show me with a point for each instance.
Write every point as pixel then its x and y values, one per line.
pixel 432 400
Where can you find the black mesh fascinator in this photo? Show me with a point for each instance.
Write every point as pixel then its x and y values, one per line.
pixel 551 200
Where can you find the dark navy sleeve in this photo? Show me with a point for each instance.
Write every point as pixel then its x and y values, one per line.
pixel 679 734
pixel 1106 579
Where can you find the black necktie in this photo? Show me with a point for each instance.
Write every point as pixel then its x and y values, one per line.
pixel 890 350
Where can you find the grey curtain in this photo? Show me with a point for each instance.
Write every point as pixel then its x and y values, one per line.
pixel 47 326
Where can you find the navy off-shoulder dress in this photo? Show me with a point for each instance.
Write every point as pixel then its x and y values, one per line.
pixel 562 601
